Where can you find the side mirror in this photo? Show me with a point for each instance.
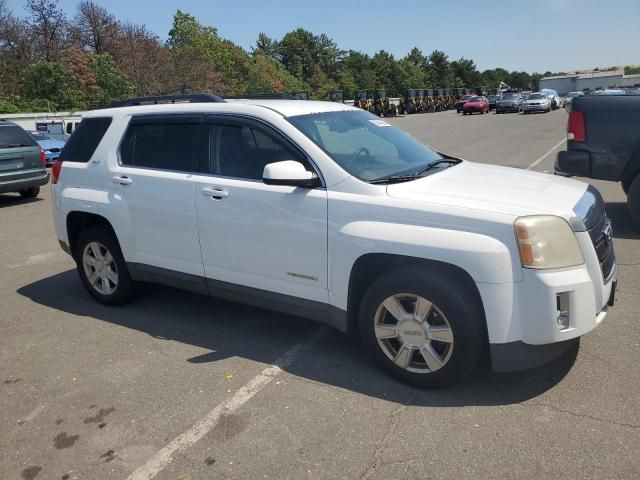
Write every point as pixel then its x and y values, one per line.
pixel 289 172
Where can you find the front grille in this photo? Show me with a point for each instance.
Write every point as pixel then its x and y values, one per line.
pixel 591 211
pixel 603 244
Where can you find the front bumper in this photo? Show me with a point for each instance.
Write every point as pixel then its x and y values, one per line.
pixel 523 317
pixel 536 108
pixel 16 185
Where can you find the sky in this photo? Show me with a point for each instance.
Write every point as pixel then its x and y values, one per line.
pixel 529 35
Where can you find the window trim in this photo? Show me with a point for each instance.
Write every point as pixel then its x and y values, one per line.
pixel 158 118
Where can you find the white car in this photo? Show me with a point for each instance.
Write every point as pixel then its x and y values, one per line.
pixel 322 210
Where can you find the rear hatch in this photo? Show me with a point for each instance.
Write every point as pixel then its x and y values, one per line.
pixel 19 154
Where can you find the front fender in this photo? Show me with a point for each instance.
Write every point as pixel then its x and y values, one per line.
pixel 485 259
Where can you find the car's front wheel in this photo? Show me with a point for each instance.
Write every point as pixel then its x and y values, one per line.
pixel 102 268
pixel 422 326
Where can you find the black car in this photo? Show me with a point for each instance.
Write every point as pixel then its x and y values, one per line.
pixel 493 100
pixel 603 142
pixel 22 162
pixel 510 102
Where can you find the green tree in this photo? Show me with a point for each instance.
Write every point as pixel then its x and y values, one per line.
pixel 111 84
pixel 297 51
pixel 465 70
pixel 265 45
pixel 53 82
pixel 439 70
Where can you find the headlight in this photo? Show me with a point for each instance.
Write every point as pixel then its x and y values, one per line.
pixel 547 241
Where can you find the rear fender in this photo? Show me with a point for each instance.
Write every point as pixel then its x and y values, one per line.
pixel 106 204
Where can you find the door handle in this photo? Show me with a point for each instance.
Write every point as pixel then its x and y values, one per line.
pixel 216 193
pixel 122 180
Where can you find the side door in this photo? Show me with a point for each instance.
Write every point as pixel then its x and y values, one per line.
pixel 154 178
pixel 267 237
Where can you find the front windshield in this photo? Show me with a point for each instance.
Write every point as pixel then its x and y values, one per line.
pixel 475 99
pixel 507 96
pixel 364 145
pixel 535 96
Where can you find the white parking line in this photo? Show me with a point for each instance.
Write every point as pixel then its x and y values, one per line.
pixel 35 259
pixel 164 457
pixel 543 157
pixel 34 413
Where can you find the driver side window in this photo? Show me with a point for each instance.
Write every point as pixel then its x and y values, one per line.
pixel 242 151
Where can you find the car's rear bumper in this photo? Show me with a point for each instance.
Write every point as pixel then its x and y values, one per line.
pixel 514 108
pixel 573 162
pixel 16 185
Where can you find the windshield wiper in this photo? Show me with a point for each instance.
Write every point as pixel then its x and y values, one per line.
pixel 435 163
pixel 407 177
pixel 396 178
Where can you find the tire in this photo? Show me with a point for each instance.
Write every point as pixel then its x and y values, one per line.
pixel 454 313
pixel 118 288
pixel 32 192
pixel 633 199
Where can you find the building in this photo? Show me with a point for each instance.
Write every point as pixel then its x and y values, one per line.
pixel 581 81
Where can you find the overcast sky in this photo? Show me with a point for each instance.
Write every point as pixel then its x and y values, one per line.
pixel 532 35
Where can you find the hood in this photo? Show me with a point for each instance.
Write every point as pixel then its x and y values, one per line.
pixel 536 100
pixel 474 103
pixel 505 190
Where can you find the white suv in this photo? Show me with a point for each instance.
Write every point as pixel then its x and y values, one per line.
pixel 327 212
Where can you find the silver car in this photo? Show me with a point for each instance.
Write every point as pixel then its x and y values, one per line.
pixel 537 102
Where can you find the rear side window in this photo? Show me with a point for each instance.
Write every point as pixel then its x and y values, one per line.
pixel 14 136
pixel 85 139
pixel 165 145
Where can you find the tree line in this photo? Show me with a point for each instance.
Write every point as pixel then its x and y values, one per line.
pixel 52 62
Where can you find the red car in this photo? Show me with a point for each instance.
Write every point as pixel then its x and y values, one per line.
pixel 476 104
pixel 461 101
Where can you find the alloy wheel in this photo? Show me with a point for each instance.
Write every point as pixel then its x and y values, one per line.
pixel 413 333
pixel 100 268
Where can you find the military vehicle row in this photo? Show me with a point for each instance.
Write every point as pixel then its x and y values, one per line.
pixel 413 101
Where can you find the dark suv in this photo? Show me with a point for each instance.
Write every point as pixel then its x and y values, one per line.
pixel 22 162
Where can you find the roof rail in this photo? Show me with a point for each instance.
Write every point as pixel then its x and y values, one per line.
pixel 263 96
pixel 187 98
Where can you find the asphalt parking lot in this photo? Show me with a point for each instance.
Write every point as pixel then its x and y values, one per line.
pixel 186 387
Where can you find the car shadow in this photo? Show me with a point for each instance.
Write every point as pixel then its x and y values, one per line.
pixel 233 330
pixel 623 224
pixel 9 200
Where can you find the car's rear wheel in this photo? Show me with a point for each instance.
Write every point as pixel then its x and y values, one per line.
pixel 102 268
pixel 422 326
pixel 32 192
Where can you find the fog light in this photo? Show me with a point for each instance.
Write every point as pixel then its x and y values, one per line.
pixel 563 314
